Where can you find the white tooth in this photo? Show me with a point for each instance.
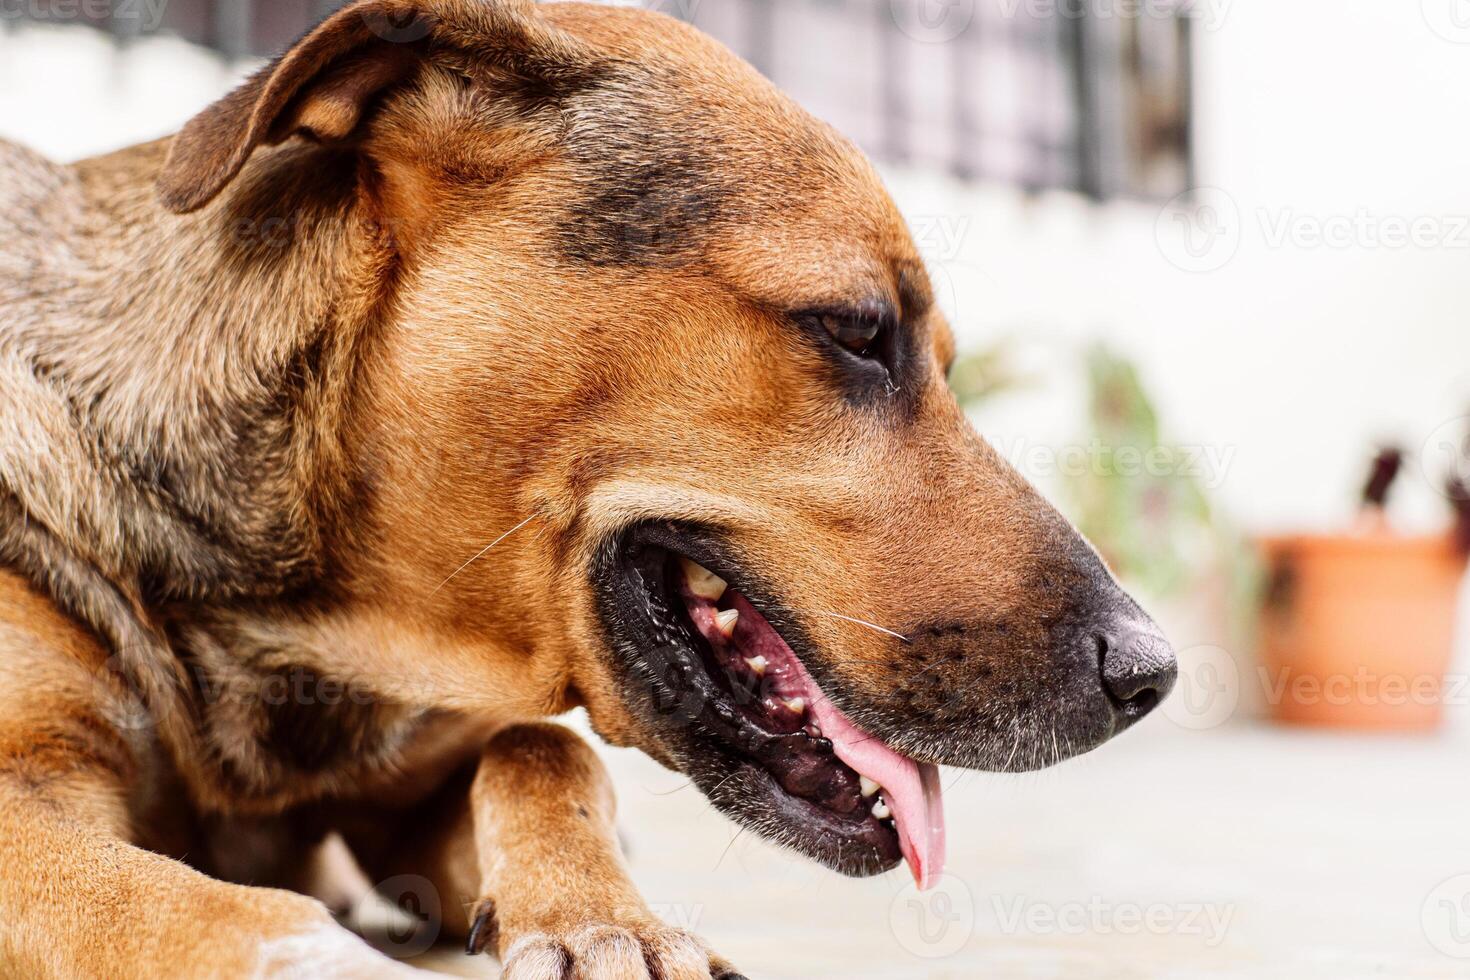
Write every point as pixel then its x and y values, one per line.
pixel 880 810
pixel 725 621
pixel 796 705
pixel 757 665
pixel 869 787
pixel 701 581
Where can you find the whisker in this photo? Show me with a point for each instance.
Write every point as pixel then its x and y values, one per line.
pixel 481 554
pixel 716 787
pixel 861 622
pixel 669 792
pixel 835 615
pixel 725 853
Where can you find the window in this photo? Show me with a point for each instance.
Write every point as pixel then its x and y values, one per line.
pixel 1083 95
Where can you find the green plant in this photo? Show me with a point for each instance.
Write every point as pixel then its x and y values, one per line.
pixel 982 374
pixel 1142 502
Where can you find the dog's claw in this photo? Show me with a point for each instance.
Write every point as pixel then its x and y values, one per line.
pixel 720 969
pixel 646 951
pixel 482 933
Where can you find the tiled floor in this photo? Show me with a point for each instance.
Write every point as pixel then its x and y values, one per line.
pixel 1241 851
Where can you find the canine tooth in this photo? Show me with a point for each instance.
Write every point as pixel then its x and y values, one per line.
pixel 869 787
pixel 880 810
pixel 725 621
pixel 796 705
pixel 757 665
pixel 702 582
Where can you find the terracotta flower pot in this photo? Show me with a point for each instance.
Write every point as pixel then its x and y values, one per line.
pixel 1357 630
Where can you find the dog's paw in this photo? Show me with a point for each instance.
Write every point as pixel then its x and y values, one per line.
pixel 646 951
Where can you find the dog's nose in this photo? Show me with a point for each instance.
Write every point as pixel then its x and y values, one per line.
pixel 1137 664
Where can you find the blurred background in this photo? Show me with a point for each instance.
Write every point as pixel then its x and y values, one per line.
pixel 1209 265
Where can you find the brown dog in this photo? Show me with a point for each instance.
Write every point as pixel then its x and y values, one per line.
pixel 473 362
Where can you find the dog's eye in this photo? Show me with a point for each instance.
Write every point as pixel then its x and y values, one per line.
pixel 858 334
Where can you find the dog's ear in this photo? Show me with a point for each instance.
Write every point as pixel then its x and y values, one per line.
pixel 324 85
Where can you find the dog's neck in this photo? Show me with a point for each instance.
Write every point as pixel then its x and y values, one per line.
pixel 187 377
pixel 182 362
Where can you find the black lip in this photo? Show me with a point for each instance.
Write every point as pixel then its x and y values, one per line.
pixel 667 679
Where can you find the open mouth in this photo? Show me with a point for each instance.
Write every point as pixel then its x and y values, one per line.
pixel 761 739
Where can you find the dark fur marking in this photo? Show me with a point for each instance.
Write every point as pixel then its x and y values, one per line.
pixel 653 214
pixel 650 195
pixel 314 723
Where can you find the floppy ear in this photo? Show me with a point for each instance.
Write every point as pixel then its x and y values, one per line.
pixel 324 84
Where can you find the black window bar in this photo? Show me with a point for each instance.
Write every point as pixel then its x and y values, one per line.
pixel 1038 94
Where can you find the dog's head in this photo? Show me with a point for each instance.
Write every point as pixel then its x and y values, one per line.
pixel 653 396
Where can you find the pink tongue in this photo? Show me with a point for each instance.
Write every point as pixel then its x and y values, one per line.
pixel 911 789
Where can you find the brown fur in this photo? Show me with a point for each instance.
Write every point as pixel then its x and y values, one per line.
pixel 449 274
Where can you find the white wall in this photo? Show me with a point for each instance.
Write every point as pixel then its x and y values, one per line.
pixel 1289 358
pixel 69 92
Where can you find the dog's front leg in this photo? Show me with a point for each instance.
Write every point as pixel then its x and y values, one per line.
pixel 533 848
pixel 556 895
pixel 78 897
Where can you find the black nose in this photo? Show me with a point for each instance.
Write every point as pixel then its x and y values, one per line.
pixel 1138 666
